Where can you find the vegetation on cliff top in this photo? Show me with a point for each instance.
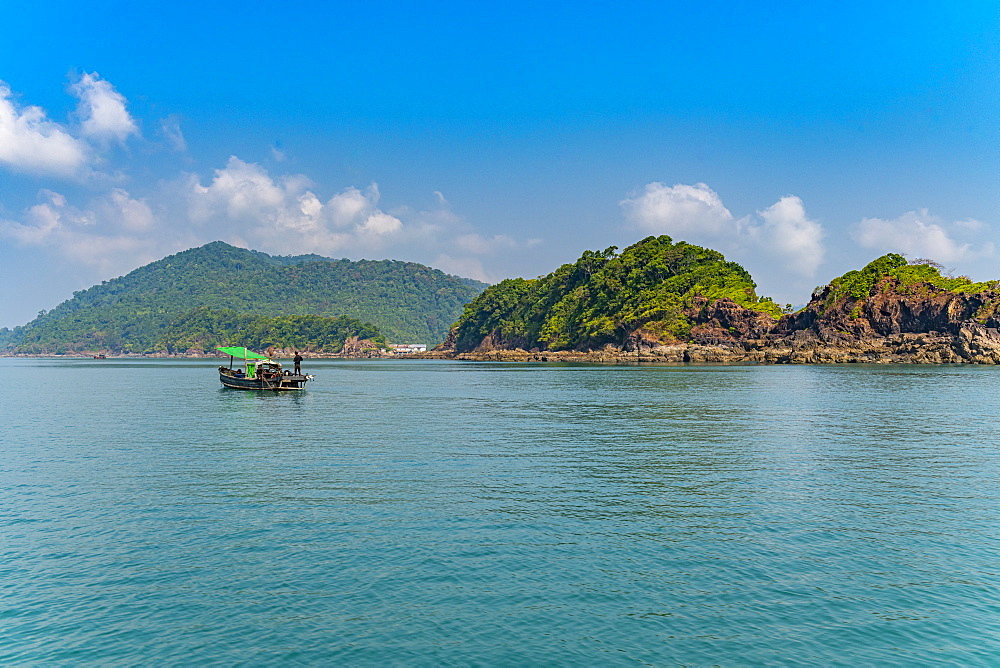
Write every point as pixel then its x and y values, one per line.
pixel 862 283
pixel 604 297
pixel 141 312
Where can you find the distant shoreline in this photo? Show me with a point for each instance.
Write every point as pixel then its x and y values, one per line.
pixel 206 356
pixel 972 344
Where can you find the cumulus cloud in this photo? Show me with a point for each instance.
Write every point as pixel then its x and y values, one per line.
pixel 241 202
pixel 131 214
pixel 30 142
pixel 239 190
pixel 101 110
pixel 380 223
pixel 784 232
pixel 107 235
pixel 285 215
pixel 920 234
pixel 781 233
pixel 42 221
pixel 680 210
pixel 244 202
pixel 55 222
pixel 351 205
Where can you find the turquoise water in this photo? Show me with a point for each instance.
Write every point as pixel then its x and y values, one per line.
pixel 432 512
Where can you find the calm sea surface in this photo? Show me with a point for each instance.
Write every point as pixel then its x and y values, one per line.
pixel 432 512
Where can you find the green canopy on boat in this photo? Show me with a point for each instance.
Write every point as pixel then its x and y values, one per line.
pixel 243 353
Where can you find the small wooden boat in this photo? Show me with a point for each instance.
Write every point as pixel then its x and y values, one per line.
pixel 259 372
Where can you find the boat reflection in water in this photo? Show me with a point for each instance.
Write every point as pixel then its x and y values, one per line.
pixel 259 372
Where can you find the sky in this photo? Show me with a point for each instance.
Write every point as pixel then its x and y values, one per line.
pixel 494 140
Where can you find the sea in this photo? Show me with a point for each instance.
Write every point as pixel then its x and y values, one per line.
pixel 430 512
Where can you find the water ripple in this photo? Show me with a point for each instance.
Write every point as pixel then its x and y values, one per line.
pixel 455 514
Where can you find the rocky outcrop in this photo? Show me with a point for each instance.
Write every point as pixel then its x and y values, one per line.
pixel 723 321
pixel 895 323
pixel 356 347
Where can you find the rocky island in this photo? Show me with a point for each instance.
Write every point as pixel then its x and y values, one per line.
pixel 660 301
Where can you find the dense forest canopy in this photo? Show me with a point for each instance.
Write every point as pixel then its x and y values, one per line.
pixel 604 296
pixel 206 328
pixel 141 312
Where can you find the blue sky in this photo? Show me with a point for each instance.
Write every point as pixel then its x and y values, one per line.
pixel 801 139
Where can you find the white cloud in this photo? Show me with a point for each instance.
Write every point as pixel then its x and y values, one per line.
pixel 102 110
pixel 970 224
pixel 239 190
pixel 42 221
pixel 132 214
pixel 29 141
pixel 787 234
pixel 244 203
pixel 285 216
pixel 351 205
pixel 680 210
pixel 381 224
pixel 468 267
pixel 920 234
pixel 781 233
pixel 111 235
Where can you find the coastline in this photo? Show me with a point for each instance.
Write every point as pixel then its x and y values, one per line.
pixel 972 344
pixel 189 355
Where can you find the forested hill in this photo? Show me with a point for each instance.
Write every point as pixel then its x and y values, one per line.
pixel 606 297
pixel 407 302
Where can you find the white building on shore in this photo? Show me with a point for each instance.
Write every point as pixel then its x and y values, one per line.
pixel 408 348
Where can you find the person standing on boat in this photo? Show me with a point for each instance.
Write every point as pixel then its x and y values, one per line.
pixel 298 363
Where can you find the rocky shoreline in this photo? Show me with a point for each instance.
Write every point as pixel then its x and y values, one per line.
pixel 975 344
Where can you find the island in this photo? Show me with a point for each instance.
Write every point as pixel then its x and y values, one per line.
pixel 661 301
pixel 189 303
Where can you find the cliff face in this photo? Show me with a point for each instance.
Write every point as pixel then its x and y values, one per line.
pixel 724 322
pixel 896 322
pixel 893 308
